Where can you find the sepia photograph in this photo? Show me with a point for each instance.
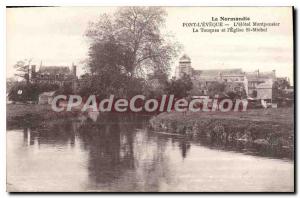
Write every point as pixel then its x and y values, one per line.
pixel 150 99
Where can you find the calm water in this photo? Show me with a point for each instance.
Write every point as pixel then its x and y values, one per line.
pixel 123 156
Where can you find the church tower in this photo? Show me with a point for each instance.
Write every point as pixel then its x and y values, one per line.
pixel 184 67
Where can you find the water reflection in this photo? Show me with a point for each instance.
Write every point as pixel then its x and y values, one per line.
pixel 118 154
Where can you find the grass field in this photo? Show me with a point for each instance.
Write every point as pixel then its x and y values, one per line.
pixel 279 115
pixel 271 127
pixel 17 114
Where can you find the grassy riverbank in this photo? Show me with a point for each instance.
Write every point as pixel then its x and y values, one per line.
pixel 273 128
pixel 270 127
pixel 27 113
pixel 280 115
pixel 31 114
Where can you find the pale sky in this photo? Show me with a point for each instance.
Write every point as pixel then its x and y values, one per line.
pixel 55 36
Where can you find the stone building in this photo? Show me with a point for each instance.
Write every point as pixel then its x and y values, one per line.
pixel 59 75
pixel 258 85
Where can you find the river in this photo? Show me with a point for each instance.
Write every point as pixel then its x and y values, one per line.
pixel 123 156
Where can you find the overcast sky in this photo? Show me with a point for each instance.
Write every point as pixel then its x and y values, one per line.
pixel 55 36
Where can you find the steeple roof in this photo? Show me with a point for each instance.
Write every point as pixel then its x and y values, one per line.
pixel 185 58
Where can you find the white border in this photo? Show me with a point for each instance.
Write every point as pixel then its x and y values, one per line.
pixel 3 5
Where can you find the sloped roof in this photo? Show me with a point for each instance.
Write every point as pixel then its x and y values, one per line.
pixel 54 69
pixel 217 72
pixel 267 84
pixel 185 58
pixel 252 76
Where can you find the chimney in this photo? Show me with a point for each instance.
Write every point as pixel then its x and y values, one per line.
pixel 33 71
pixel 274 73
pixel 257 73
pixel 33 68
pixel 74 69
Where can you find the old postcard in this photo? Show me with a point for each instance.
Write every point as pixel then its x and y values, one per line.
pixel 150 99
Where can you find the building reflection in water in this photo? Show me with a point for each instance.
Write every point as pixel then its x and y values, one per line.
pixel 55 134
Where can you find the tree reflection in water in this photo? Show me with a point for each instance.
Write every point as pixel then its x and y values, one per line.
pixel 120 154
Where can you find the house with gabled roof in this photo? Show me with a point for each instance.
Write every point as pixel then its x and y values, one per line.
pixel 59 75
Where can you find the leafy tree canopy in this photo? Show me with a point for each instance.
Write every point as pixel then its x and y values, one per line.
pixel 180 88
pixel 127 48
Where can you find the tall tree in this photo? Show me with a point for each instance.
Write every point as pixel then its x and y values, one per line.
pixel 279 89
pixel 132 41
pixel 23 69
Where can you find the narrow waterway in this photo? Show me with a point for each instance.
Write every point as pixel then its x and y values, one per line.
pixel 124 156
